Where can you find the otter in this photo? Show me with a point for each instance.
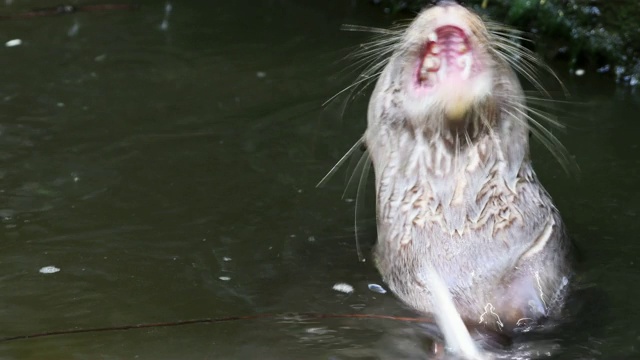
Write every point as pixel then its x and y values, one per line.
pixel 448 137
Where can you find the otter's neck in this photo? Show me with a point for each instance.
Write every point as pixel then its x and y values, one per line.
pixel 455 182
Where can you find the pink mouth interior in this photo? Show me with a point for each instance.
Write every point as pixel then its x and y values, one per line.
pixel 443 58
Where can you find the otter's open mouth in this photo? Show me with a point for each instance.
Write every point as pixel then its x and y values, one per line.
pixel 447 56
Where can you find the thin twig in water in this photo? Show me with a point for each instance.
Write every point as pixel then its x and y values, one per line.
pixel 68 9
pixel 295 316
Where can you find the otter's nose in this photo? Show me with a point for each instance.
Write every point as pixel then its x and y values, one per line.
pixel 446 2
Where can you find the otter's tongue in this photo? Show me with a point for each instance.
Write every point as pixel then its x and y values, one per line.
pixel 446 66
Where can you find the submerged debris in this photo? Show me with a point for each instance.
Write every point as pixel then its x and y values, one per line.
pixel 377 288
pixel 13 42
pixel 49 270
pixel 343 287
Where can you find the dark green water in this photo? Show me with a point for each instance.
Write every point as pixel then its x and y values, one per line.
pixel 170 174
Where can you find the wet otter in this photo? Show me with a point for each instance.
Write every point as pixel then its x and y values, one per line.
pixel 456 192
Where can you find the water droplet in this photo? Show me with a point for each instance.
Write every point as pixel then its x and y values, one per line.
pixel 13 42
pixel 49 270
pixel 377 288
pixel 343 287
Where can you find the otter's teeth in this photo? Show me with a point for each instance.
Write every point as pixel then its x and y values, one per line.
pixel 462 48
pixel 424 74
pixel 433 37
pixel 465 63
pixel 432 63
pixel 435 49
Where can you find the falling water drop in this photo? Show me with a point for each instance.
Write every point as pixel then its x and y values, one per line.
pixel 168 8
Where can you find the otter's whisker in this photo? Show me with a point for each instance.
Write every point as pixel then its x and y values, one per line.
pixel 456 154
pixel 467 138
pixel 546 117
pixel 525 69
pixel 366 61
pixel 506 49
pixel 548 100
pixel 492 135
pixel 377 47
pixel 360 201
pixel 560 108
pixel 340 162
pixel 550 141
pixel 373 57
pixel 541 114
pixel 360 166
pixel 508 33
pixel 351 87
pixel 516 51
pixel 369 29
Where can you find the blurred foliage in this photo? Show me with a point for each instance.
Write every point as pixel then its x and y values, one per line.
pixel 598 35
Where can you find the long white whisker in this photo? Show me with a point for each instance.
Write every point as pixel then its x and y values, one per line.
pixel 360 197
pixel 354 85
pixel 340 162
pixel 507 48
pixel 549 140
pixel 541 114
pixel 369 29
pixel 364 158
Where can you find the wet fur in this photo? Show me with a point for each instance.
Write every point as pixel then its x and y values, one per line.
pixel 464 200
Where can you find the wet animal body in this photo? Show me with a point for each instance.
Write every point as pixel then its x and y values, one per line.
pixel 448 137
